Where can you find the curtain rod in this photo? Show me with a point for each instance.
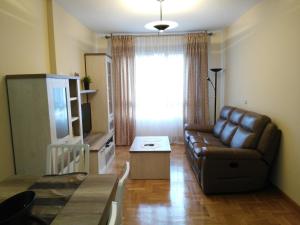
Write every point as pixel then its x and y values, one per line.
pixel 150 34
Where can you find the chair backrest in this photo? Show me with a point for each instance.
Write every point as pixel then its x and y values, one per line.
pixel 113 213
pixel 62 159
pixel 120 191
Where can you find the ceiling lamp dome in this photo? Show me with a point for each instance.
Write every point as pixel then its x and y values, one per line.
pixel 161 25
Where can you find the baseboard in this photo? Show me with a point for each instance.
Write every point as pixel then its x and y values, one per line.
pixel 293 204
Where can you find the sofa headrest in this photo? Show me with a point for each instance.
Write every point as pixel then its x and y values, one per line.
pixel 250 129
pixel 236 116
pixel 226 111
pixel 254 122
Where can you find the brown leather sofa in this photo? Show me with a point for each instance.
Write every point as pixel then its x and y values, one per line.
pixel 236 154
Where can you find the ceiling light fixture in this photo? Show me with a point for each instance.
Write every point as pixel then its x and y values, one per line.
pixel 161 25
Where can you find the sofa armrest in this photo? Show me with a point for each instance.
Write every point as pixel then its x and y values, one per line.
pixel 198 127
pixel 212 152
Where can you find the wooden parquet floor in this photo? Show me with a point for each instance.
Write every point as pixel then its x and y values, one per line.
pixel 180 200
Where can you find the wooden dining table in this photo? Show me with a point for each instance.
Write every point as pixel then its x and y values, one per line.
pixel 66 199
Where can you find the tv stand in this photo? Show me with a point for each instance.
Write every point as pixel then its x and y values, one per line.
pixel 102 151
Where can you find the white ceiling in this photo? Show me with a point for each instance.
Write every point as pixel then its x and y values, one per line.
pixel 130 16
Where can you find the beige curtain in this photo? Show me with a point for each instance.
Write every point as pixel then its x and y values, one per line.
pixel 196 85
pixel 123 72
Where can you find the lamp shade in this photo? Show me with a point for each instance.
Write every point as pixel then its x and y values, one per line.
pixel 161 25
pixel 216 69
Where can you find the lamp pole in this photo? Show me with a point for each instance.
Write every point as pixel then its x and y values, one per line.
pixel 215 70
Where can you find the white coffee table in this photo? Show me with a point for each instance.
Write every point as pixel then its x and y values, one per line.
pixel 150 157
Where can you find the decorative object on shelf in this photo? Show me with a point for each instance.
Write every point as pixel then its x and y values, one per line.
pixel 161 25
pixel 216 70
pixel 76 74
pixel 86 82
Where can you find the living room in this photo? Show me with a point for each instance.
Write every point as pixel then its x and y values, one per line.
pixel 257 51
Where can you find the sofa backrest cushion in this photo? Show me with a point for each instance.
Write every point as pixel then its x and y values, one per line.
pixel 250 129
pixel 219 126
pixel 221 122
pixel 228 133
pixel 242 139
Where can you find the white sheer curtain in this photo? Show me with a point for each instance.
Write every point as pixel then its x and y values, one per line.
pixel 159 65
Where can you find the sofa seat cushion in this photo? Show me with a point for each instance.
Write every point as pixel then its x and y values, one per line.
pixel 211 140
pixel 204 139
pixel 208 142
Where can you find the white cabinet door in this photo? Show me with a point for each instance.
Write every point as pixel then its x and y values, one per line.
pixel 59 110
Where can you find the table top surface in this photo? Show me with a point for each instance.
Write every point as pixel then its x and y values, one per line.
pixel 150 144
pixel 89 204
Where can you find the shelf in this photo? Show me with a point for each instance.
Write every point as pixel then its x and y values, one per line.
pixel 74 119
pixel 87 91
pixel 73 98
pixel 97 140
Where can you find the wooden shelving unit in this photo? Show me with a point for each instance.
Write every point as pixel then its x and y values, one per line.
pixel 101 140
pixel 34 121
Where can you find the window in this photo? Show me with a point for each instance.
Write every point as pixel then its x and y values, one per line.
pixel 159 95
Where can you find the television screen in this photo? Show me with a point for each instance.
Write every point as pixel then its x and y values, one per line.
pixel 60 112
pixel 86 118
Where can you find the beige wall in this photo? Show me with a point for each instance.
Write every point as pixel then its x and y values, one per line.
pixel 28 46
pixel 71 40
pixel 104 45
pixel 24 49
pixel 261 59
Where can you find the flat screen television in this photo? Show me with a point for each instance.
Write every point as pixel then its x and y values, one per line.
pixel 86 118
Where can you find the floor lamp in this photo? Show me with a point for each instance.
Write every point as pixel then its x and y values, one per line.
pixel 216 70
